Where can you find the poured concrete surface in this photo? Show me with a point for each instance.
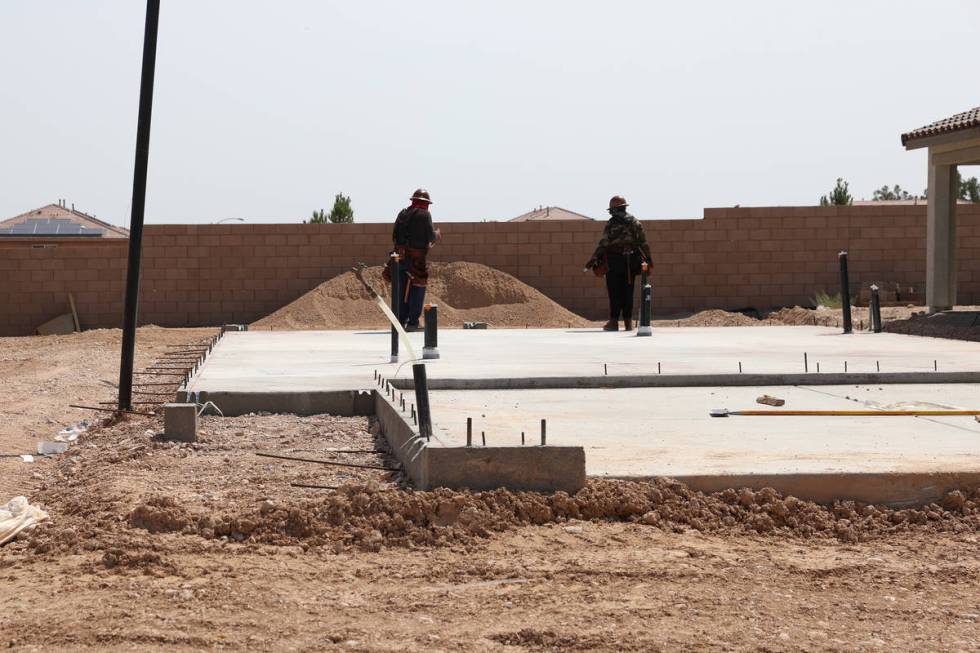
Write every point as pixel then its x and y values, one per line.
pixel 302 361
pixel 668 431
pixel 646 432
pixel 638 432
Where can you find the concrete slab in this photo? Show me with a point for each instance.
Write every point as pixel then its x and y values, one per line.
pixel 646 432
pixel 631 431
pixel 302 361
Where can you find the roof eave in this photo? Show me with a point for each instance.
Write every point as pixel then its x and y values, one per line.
pixel 945 138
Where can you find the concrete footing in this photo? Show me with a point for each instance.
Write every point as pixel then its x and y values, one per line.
pixel 538 469
pixel 180 422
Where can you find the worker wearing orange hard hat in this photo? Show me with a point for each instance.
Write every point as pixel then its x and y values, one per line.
pixel 412 237
pixel 620 255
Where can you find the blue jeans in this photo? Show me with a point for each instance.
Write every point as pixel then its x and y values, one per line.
pixel 409 311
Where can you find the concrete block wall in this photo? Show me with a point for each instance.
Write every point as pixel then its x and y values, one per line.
pixel 732 258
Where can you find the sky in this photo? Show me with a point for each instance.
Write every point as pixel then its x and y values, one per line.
pixel 265 110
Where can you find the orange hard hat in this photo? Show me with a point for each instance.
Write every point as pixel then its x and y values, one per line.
pixel 421 195
pixel 617 201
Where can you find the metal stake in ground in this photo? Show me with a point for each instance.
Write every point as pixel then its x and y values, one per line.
pixel 422 399
pixel 845 292
pixel 646 302
pixel 138 204
pixel 544 432
pixel 431 347
pixel 875 309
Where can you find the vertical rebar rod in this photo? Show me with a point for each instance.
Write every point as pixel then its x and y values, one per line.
pixel 544 432
pixel 131 307
pixel 469 431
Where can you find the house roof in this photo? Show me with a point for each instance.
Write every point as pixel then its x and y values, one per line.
pixel 57 221
pixel 549 213
pixel 960 121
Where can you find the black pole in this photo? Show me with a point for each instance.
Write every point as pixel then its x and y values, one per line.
pixel 396 302
pixel 131 308
pixel 875 309
pixel 422 399
pixel 646 301
pixel 431 348
pixel 845 292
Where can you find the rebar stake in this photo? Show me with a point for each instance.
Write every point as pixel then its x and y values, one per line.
pixel 544 432
pixel 469 431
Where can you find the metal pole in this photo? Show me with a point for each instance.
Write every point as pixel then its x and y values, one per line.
pixel 396 302
pixel 875 309
pixel 131 307
pixel 422 399
pixel 646 299
pixel 845 292
pixel 431 347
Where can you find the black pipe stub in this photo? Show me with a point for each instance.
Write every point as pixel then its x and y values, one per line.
pixel 875 306
pixel 422 399
pixel 431 348
pixel 845 292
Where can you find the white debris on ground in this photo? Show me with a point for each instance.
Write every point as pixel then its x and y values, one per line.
pixel 18 515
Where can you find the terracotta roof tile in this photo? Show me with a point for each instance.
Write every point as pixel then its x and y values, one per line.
pixel 965 120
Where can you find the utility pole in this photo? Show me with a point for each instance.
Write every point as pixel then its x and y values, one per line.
pixel 131 308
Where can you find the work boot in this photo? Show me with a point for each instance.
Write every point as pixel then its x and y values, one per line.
pixel 411 328
pixel 627 324
pixel 611 325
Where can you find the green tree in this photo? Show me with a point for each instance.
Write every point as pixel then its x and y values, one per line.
pixel 318 217
pixel 839 195
pixel 896 193
pixel 341 213
pixel 966 189
pixel 969 189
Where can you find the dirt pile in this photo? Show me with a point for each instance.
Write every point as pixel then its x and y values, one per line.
pixel 464 292
pixel 955 325
pixel 716 318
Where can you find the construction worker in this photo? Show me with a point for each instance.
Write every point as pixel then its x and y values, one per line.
pixel 621 252
pixel 412 237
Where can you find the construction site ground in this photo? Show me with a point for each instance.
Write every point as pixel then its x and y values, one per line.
pixel 160 546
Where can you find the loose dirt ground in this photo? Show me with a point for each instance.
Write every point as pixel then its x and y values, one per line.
pixel 42 375
pixel 160 546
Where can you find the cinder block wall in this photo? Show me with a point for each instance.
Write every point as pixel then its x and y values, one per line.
pixel 732 258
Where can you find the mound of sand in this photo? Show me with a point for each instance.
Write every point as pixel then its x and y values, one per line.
pixel 464 292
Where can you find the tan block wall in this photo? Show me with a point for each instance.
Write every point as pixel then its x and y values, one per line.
pixel 732 258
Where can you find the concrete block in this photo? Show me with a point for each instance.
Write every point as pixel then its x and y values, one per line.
pixel 180 422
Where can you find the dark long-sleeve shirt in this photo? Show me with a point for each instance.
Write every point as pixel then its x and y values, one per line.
pixel 413 228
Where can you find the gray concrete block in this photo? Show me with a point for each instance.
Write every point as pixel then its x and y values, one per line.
pixel 180 422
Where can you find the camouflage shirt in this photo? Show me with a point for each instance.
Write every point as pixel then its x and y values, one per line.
pixel 622 231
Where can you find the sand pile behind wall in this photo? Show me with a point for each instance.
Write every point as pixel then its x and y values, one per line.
pixel 464 292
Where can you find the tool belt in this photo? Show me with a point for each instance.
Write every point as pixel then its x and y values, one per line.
pixel 634 258
pixel 418 268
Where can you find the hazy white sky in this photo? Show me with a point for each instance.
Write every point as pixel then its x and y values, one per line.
pixel 264 110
